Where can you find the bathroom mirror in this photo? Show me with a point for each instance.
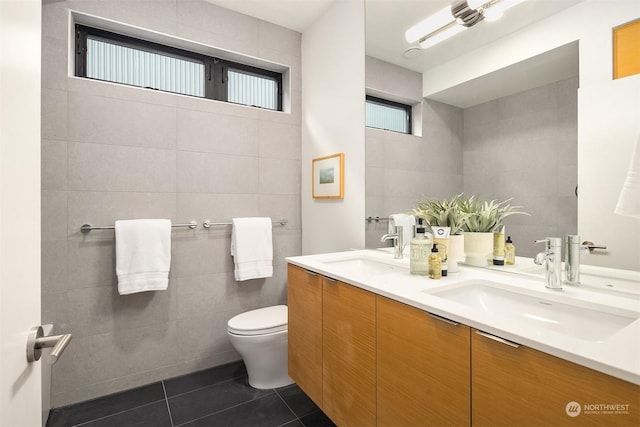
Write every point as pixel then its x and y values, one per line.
pixel 469 136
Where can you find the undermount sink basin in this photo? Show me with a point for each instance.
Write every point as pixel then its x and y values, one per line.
pixel 366 266
pixel 587 323
pixel 623 283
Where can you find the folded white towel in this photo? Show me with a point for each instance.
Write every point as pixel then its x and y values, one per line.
pixel 143 255
pixel 629 199
pixel 252 248
pixel 407 222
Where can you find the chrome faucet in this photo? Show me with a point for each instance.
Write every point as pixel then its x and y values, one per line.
pixel 552 259
pixel 398 241
pixel 572 260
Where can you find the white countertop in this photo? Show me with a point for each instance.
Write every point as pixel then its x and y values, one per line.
pixel 618 355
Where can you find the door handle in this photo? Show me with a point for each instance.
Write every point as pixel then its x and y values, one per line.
pixel 36 341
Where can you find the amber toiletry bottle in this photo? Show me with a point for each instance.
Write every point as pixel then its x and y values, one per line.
pixel 435 266
pixel 509 252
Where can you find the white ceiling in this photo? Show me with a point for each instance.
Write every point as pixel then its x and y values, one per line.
pixel 294 14
pixel 387 21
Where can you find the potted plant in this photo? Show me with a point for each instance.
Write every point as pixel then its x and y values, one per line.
pixel 446 213
pixel 442 213
pixel 482 220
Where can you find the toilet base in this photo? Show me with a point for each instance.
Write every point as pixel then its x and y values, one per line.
pixel 265 357
pixel 271 384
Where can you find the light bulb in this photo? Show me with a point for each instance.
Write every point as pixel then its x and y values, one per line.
pixel 429 25
pixel 502 5
pixel 476 4
pixel 441 36
pixel 492 14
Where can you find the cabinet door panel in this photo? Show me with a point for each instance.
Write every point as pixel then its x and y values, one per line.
pixel 522 386
pixel 349 359
pixel 304 292
pixel 423 368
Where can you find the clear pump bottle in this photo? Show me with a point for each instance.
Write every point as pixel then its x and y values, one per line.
pixel 419 252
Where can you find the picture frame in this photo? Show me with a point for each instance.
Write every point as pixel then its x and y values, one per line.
pixel 328 177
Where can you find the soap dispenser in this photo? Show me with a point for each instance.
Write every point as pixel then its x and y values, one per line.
pixel 419 252
pixel 435 265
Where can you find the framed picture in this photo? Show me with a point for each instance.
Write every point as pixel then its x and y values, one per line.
pixel 328 177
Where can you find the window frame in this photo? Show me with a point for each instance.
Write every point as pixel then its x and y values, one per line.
pixel 215 68
pixel 408 109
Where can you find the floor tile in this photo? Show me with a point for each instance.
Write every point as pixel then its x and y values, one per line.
pixel 104 406
pixel 205 401
pixel 294 423
pixel 152 415
pixel 317 419
pixel 268 411
pixel 297 400
pixel 204 378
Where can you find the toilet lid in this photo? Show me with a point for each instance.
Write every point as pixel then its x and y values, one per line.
pixel 261 321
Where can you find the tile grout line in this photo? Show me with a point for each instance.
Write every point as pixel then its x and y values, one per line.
pixel 225 409
pixel 116 413
pixel 288 407
pixel 207 386
pixel 166 400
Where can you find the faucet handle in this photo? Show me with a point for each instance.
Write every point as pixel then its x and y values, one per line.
pixel 591 246
pixel 539 258
pixel 551 242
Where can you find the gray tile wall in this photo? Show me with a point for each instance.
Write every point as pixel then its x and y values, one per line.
pixel 525 146
pixel 402 169
pixel 114 152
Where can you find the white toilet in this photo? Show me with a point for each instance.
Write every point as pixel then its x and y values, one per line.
pixel 260 336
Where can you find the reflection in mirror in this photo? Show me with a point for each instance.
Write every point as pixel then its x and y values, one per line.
pixel 508 134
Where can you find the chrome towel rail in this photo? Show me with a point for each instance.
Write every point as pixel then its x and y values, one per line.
pixel 88 227
pixel 376 219
pixel 209 224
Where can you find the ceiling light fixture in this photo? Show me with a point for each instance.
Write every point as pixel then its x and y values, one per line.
pixel 456 18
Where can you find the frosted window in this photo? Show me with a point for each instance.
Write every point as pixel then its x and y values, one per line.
pixel 122 64
pixel 387 115
pixel 119 58
pixel 250 89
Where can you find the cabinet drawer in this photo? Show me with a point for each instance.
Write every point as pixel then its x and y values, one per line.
pixel 517 385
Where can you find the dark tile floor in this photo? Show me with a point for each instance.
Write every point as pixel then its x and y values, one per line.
pixel 219 396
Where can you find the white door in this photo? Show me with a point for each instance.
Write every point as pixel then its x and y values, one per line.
pixel 20 382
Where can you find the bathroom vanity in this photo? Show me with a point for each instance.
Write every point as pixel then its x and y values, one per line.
pixel 373 345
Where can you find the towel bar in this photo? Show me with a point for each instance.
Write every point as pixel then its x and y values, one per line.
pixel 376 219
pixel 88 227
pixel 209 224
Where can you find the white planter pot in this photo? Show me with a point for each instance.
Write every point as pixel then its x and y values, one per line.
pixel 456 252
pixel 478 248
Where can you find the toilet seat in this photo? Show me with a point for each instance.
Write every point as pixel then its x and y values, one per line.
pixel 262 321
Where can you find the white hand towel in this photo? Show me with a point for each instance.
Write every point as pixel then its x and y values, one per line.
pixel 629 199
pixel 143 255
pixel 407 222
pixel 252 248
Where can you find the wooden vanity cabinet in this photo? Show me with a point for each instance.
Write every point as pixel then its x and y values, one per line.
pixel 368 361
pixel 304 292
pixel 331 345
pixel 517 386
pixel 349 354
pixel 423 368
